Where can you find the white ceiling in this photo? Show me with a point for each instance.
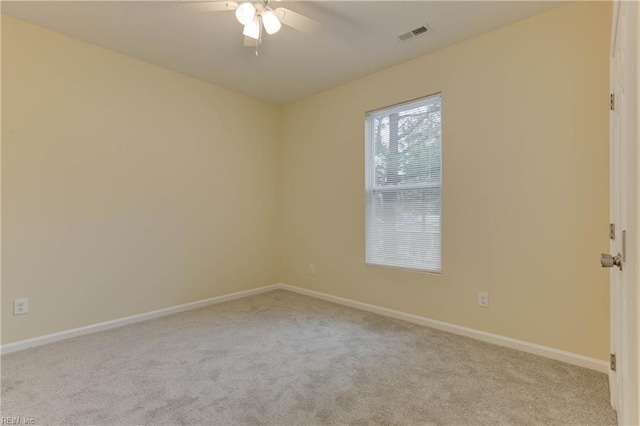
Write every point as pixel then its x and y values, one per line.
pixel 357 38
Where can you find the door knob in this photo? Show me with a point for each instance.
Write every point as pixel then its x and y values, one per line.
pixel 608 261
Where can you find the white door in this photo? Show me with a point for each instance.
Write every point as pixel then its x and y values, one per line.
pixel 623 258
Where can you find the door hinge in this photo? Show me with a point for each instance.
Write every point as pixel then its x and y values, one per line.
pixel 612 101
pixel 612 231
pixel 612 361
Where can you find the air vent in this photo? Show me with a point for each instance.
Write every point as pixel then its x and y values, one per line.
pixel 414 33
pixel 419 31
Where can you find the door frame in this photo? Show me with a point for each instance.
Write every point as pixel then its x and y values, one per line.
pixel 625 195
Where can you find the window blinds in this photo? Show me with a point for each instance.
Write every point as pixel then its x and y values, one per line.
pixel 403 183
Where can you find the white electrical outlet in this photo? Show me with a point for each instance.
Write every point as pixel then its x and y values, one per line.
pixel 312 269
pixel 483 299
pixel 20 306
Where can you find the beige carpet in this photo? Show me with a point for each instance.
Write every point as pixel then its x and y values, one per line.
pixel 282 358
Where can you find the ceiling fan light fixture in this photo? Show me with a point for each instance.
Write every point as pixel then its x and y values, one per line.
pixel 246 13
pixel 252 29
pixel 271 22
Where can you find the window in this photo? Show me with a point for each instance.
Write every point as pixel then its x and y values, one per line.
pixel 403 182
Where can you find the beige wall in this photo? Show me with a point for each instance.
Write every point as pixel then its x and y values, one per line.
pixel 126 188
pixel 525 183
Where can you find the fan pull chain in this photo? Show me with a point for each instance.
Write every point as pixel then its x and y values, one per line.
pixel 259 42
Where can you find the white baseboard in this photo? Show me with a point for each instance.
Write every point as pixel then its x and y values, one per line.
pixel 569 357
pixel 81 331
pixel 545 351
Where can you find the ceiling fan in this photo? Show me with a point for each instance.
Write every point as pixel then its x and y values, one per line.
pixel 257 15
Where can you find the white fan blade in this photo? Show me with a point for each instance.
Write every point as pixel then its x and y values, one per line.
pixel 210 6
pixel 297 21
pixel 252 42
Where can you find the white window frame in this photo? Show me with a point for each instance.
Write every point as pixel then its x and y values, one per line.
pixel 370 184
